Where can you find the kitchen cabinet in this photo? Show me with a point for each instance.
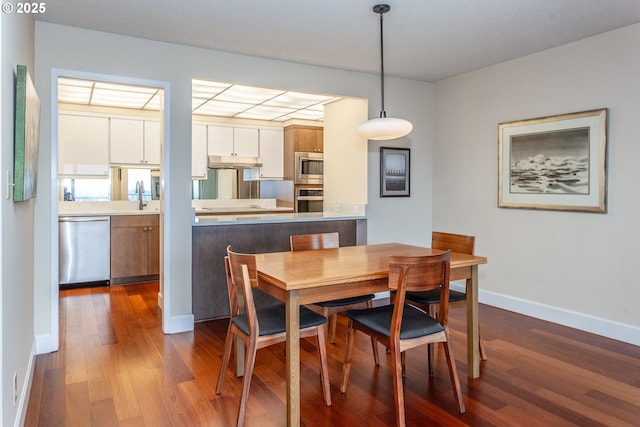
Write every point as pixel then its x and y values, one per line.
pixel 305 138
pixel 83 146
pixel 271 156
pixel 199 151
pixel 232 141
pixel 135 142
pixel 135 248
pixel 152 142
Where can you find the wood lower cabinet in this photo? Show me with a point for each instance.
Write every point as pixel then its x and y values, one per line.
pixel 135 248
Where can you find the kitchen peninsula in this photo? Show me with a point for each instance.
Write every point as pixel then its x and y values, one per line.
pixel 257 233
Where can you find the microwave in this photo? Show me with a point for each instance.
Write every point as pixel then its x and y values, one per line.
pixel 309 168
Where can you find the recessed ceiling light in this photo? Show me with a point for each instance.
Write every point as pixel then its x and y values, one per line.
pixel 248 94
pixel 297 100
pixel 264 112
pixel 222 108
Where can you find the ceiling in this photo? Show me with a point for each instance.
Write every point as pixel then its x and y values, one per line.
pixel 425 40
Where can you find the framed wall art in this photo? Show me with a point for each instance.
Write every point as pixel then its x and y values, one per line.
pixel 395 168
pixel 554 163
pixel 27 131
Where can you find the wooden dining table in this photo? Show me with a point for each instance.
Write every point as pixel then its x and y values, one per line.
pixel 304 277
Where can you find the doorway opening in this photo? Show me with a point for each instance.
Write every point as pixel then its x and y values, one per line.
pixel 106 97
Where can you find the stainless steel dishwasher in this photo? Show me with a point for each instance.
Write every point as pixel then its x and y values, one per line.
pixel 84 251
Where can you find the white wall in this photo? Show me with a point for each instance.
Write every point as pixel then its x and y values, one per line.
pixel 345 156
pixel 404 219
pixel 574 268
pixel 17 236
pixel 60 47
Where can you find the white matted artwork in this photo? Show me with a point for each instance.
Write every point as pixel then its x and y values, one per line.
pixel 554 163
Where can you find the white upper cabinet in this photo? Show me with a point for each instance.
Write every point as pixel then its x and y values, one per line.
pixel 152 142
pixel 199 151
pixel 271 154
pixel 233 141
pixel 220 140
pixel 83 146
pixel 135 142
pixel 246 142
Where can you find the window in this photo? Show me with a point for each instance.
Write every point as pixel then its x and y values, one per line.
pixel 86 190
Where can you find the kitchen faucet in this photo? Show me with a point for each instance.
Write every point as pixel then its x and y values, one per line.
pixel 140 190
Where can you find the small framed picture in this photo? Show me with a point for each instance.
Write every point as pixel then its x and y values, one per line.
pixel 554 163
pixel 395 167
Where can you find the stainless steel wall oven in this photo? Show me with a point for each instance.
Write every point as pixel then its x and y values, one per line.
pixel 309 199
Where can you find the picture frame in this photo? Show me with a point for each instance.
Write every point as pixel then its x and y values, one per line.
pixel 554 163
pixel 395 172
pixel 27 136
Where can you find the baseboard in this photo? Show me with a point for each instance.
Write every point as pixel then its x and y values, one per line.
pixel 46 344
pixel 178 324
pixel 23 400
pixel 584 322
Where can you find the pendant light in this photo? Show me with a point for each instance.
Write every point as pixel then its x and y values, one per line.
pixel 383 127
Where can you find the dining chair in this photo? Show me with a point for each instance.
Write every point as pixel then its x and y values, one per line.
pixel 429 300
pixel 401 326
pixel 259 328
pixel 330 309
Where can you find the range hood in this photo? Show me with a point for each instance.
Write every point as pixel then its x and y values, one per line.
pixel 233 162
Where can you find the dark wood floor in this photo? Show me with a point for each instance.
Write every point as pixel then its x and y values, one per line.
pixel 115 367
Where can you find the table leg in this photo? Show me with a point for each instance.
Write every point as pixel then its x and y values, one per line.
pixel 473 342
pixel 293 359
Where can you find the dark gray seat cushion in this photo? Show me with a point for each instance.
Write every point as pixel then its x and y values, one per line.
pixel 433 296
pixel 272 320
pixel 345 301
pixel 415 323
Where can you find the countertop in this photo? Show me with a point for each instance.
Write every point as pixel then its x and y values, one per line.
pixel 125 207
pixel 212 212
pixel 274 217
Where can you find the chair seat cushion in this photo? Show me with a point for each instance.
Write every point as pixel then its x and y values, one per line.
pixel 272 320
pixel 433 296
pixel 415 323
pixel 345 301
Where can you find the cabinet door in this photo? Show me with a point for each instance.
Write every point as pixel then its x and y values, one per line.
pixel 220 140
pixel 272 153
pixel 320 140
pixel 246 142
pixel 83 146
pixel 128 252
pixel 306 139
pixel 199 151
pixel 153 249
pixel 152 143
pixel 127 142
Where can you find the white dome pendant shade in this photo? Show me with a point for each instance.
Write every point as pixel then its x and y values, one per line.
pixel 383 127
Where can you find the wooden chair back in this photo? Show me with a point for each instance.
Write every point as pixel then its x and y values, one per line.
pixel 236 259
pixel 420 273
pixel 454 242
pixel 231 289
pixel 243 277
pixel 305 242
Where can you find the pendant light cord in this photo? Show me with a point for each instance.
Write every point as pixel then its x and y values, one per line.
pixel 383 113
